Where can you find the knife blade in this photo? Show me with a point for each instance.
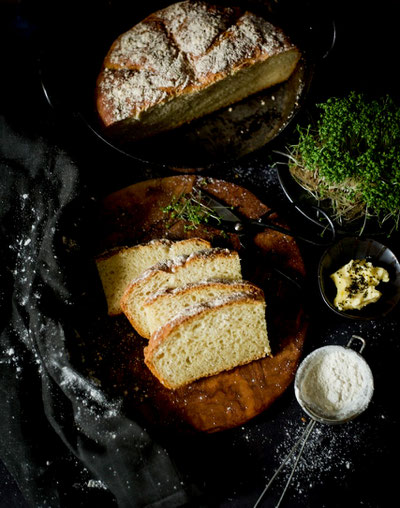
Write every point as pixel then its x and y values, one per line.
pixel 244 226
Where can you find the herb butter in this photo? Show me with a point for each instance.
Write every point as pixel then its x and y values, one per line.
pixel 356 284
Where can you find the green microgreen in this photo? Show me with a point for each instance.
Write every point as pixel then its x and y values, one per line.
pixel 351 155
pixel 190 209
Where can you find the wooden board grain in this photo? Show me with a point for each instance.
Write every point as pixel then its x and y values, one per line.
pixel 134 215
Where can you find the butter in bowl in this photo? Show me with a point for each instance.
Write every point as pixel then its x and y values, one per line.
pixel 359 278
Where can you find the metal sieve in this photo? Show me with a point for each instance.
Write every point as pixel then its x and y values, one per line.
pixel 315 413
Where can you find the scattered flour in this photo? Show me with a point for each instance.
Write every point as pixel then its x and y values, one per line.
pixel 98 484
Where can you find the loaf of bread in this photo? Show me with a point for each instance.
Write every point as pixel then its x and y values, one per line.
pixel 118 267
pixel 209 264
pixel 208 339
pixel 162 306
pixel 186 61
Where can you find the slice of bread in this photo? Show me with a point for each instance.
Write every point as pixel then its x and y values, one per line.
pixel 118 267
pixel 209 338
pixel 210 264
pixel 165 304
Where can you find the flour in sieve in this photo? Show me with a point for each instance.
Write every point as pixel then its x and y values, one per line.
pixel 335 382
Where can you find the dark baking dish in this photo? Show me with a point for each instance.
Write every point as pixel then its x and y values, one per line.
pixel 76 38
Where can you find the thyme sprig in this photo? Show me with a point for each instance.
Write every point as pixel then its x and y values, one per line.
pixel 190 209
pixel 352 157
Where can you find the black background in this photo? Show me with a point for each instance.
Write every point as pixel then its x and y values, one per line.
pixel 48 154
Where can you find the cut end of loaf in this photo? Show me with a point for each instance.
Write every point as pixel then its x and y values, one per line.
pixel 209 339
pixel 184 108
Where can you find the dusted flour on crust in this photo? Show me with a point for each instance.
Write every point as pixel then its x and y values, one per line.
pixel 179 51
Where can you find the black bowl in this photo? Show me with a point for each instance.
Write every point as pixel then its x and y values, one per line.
pixel 349 248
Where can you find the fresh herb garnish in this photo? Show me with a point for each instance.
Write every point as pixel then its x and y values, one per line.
pixel 190 208
pixel 352 157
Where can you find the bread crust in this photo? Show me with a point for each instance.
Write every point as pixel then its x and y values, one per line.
pixel 157 241
pixel 125 248
pixel 236 287
pixel 179 51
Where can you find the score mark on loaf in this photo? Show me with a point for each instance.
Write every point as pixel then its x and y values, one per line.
pixel 186 61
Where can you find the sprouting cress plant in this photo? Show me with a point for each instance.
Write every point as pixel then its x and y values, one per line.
pixel 351 156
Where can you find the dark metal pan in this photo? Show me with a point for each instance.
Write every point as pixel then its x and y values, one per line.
pixel 76 38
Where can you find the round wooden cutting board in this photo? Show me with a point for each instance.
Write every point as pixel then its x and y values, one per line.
pixel 134 215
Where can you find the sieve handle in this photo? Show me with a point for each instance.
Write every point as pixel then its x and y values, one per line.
pixel 302 440
pixel 353 339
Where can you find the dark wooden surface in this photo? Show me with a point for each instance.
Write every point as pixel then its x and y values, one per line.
pixel 134 215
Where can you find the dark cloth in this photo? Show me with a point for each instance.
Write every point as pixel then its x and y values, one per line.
pixel 59 423
pixel 62 438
